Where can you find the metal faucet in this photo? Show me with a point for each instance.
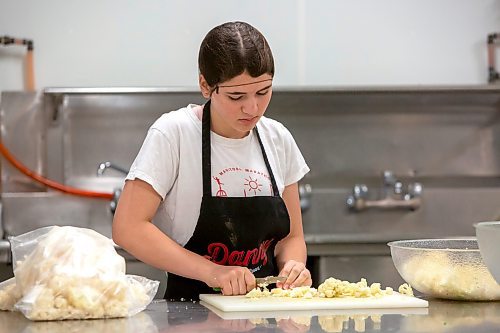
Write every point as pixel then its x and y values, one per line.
pixel 114 202
pixel 393 195
pixel 305 192
pixel 108 165
pixel 103 166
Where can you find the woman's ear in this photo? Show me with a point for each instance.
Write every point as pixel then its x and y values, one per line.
pixel 204 87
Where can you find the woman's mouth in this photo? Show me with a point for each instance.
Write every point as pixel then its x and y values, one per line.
pixel 248 120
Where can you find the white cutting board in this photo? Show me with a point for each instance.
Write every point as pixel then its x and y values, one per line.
pixel 242 303
pixel 311 313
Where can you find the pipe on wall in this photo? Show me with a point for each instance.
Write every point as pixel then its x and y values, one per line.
pixel 29 78
pixel 492 41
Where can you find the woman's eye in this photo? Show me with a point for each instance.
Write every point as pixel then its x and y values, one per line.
pixel 234 98
pixel 262 93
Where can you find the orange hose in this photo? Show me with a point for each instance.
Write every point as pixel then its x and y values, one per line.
pixel 50 183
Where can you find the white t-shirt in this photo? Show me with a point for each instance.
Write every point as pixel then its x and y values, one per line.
pixel 170 161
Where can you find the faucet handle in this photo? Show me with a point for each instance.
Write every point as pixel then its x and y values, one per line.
pixel 388 178
pixel 114 202
pixel 360 191
pixel 357 198
pixel 415 190
pixel 398 187
pixel 108 165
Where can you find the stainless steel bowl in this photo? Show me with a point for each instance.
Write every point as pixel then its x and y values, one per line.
pixel 445 268
pixel 488 237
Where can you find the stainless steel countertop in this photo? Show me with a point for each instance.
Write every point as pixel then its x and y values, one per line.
pixel 161 316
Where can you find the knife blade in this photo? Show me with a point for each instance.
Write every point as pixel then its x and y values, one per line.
pixel 265 280
pixel 270 279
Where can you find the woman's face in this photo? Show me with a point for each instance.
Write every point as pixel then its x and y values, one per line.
pixel 238 104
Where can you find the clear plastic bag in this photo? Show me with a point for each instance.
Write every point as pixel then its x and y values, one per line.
pixel 73 273
pixel 9 294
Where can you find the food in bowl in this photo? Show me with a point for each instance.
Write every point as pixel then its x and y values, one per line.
pixel 488 238
pixel 445 268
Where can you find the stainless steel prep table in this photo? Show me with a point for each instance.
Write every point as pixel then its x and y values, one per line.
pixel 161 316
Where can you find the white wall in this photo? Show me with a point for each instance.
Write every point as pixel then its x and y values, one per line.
pixel 315 42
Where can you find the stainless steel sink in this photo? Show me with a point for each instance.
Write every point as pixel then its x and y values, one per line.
pixel 29 211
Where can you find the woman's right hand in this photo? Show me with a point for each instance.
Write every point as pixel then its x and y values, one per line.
pixel 232 280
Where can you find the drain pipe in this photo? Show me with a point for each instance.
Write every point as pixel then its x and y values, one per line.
pixel 29 80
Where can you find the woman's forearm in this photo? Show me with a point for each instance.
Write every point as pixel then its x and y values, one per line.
pixel 147 243
pixel 291 248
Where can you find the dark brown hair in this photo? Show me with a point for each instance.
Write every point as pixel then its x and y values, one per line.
pixel 231 48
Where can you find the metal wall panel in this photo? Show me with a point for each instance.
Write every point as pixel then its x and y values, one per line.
pixel 446 138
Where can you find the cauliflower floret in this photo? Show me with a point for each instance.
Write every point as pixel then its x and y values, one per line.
pixel 258 292
pixel 406 289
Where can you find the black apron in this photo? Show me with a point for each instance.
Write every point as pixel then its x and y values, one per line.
pixel 232 231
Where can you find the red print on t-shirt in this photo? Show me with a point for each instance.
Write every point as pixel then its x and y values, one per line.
pixel 220 191
pixel 253 185
pixel 250 181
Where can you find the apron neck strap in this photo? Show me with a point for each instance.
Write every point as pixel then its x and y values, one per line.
pixel 268 166
pixel 207 158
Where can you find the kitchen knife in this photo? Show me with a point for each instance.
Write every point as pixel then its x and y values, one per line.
pixel 265 280
pixel 270 279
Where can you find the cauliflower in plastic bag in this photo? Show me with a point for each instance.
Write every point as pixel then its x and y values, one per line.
pixel 9 294
pixel 72 273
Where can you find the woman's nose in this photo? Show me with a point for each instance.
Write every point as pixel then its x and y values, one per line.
pixel 251 107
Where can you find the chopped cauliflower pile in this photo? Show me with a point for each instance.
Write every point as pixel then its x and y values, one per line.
pixel 336 288
pixel 72 273
pixel 329 289
pixel 297 292
pixel 439 274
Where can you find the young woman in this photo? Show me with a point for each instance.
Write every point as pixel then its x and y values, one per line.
pixel 219 180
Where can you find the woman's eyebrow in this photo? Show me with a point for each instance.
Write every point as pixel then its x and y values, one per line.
pixel 265 88
pixel 244 93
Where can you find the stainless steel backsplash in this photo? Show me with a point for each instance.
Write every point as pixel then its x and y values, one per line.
pixel 446 138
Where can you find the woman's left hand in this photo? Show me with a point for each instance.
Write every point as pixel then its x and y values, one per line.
pixel 297 275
